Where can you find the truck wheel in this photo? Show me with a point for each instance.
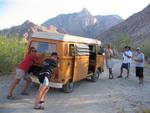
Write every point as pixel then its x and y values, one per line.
pixel 95 76
pixel 68 87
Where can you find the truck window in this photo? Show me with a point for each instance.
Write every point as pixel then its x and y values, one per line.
pixel 71 50
pixel 101 51
pixel 42 47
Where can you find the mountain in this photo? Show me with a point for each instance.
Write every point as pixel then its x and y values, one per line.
pixel 136 27
pixel 80 24
pixel 25 29
pixel 83 23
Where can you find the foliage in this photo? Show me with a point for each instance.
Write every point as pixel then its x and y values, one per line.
pixel 11 52
pixel 144 110
pixel 146 47
pixel 122 41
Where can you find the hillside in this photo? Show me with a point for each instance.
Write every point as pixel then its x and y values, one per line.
pixel 83 23
pixel 26 28
pixel 136 27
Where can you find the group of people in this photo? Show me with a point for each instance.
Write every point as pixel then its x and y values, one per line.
pixel 51 63
pixel 44 75
pixel 127 58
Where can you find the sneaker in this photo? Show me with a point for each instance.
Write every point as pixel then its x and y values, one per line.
pixel 11 97
pixel 119 76
pixel 38 107
pixel 24 93
pixel 127 77
pixel 111 77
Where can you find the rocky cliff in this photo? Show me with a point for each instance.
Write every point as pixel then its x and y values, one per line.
pixel 137 27
pixel 83 23
pixel 26 29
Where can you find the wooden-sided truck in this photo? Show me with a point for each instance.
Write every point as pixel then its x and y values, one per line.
pixel 79 58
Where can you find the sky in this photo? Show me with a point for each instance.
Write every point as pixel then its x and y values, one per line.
pixel 15 12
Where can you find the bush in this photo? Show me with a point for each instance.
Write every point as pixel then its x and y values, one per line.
pixel 11 52
pixel 144 110
pixel 146 47
pixel 122 41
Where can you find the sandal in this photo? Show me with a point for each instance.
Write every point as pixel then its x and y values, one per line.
pixel 39 107
pixel 41 102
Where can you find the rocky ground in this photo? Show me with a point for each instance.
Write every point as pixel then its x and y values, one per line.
pixel 103 96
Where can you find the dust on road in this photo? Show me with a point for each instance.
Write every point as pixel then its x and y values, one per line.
pixel 103 96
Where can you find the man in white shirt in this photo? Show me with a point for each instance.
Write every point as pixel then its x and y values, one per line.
pixel 139 59
pixel 127 55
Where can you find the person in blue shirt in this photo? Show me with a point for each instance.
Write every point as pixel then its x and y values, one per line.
pixel 139 59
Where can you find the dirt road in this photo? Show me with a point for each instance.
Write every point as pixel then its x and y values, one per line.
pixel 104 96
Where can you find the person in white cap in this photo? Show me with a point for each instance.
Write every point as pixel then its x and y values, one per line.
pixel 139 59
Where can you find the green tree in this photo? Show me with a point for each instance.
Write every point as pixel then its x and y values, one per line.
pixel 122 41
pixel 11 52
pixel 146 47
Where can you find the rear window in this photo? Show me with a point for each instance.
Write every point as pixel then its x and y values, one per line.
pixel 44 47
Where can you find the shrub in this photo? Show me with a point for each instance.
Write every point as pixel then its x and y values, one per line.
pixel 122 41
pixel 11 52
pixel 146 47
pixel 144 110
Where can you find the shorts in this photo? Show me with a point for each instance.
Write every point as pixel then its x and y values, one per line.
pixel 139 72
pixel 109 63
pixel 125 65
pixel 21 74
pixel 43 79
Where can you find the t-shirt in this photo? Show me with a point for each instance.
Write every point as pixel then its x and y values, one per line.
pixel 48 67
pixel 125 58
pixel 27 62
pixel 140 57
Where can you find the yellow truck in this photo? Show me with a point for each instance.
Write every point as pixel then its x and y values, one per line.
pixel 79 58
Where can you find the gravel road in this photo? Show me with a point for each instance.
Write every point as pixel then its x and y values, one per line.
pixel 103 96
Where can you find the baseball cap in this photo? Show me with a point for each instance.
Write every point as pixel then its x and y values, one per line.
pixel 54 54
pixel 138 48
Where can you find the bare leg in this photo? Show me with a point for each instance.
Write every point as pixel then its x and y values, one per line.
pixel 44 93
pixel 27 83
pixel 39 95
pixel 121 71
pixel 110 73
pixel 140 81
pixel 13 86
pixel 128 72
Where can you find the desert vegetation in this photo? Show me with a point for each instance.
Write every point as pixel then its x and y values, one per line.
pixel 122 41
pixel 146 49
pixel 125 40
pixel 11 52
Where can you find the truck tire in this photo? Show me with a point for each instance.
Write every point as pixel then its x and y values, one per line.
pixel 68 87
pixel 95 76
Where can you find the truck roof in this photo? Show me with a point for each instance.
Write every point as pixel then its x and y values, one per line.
pixel 64 37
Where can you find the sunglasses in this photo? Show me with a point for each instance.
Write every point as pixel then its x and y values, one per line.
pixel 33 51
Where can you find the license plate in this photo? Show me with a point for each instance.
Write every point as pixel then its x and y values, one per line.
pixel 55 85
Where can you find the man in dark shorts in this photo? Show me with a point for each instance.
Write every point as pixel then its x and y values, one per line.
pixel 46 72
pixel 127 55
pixel 139 59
